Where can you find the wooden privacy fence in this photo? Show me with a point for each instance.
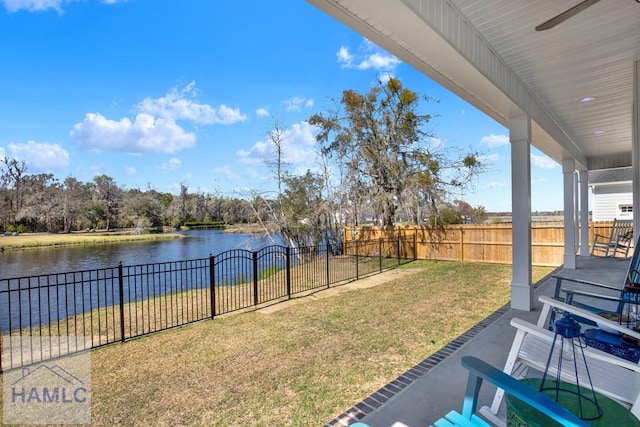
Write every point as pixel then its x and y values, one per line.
pixel 490 243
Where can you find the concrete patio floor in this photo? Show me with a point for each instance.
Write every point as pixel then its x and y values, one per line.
pixel 436 385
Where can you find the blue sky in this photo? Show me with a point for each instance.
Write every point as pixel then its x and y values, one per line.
pixel 158 93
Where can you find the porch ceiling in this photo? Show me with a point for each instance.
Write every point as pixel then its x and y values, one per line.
pixel 488 52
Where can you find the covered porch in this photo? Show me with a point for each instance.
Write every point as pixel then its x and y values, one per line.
pixel 561 78
pixel 570 88
pixel 436 385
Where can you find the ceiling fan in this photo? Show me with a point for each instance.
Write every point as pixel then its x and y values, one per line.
pixel 566 15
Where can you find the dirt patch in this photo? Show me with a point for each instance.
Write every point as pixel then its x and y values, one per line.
pixel 366 282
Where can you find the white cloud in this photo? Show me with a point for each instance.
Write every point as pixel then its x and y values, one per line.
pixel 40 156
pixel 262 112
pixel 172 165
pixel 490 158
pixel 145 134
pixel 40 5
pixel 33 5
pixel 379 61
pixel 344 57
pixel 296 103
pixel 298 147
pixel 180 105
pixel 385 77
pixel 227 172
pixel 539 181
pixel 130 170
pixel 493 185
pixel 154 128
pixel 174 188
pixel 494 140
pixel 260 152
pixel 435 142
pixel 543 162
pixel 369 56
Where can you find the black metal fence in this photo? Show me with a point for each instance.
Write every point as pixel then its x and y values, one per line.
pixel 114 304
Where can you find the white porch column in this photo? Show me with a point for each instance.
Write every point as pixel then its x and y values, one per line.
pixel 568 170
pixel 521 287
pixel 635 150
pixel 583 183
pixel 576 213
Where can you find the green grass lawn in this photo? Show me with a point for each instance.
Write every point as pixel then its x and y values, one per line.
pixel 298 366
pixel 40 240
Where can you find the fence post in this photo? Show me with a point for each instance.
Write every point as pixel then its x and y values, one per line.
pixel 255 278
pixel 357 262
pixel 212 284
pixel 398 249
pixel 121 290
pixel 380 253
pixel 288 264
pixel 415 244
pixel 328 279
pixel 461 244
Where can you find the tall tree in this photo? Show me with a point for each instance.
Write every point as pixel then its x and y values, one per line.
pixel 183 199
pixel 109 196
pixel 303 207
pixel 276 162
pixel 141 210
pixel 41 203
pixel 13 174
pixel 381 139
pixel 75 194
pixel 200 207
pixel 296 212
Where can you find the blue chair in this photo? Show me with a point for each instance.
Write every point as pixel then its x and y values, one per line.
pixel 599 297
pixel 479 371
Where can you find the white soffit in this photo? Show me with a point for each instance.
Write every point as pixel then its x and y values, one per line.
pixel 487 52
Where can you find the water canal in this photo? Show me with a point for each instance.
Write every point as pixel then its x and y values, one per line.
pixel 196 244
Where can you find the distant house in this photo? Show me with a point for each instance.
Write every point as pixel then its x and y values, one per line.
pixel 612 194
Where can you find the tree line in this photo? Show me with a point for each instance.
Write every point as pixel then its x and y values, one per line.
pixel 377 164
pixel 42 203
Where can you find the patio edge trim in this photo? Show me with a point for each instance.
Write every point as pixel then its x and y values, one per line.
pixel 384 394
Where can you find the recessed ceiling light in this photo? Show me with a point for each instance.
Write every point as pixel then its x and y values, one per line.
pixel 587 99
pixel 598 132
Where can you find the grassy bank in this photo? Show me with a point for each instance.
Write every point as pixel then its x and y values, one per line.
pixel 299 365
pixel 253 228
pixel 39 240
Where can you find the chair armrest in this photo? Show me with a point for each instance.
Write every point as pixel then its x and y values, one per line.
pixel 479 370
pixel 593 295
pixel 567 288
pixel 593 353
pixel 587 315
pixel 560 279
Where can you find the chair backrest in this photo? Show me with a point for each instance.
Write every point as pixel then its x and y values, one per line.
pixel 620 227
pixel 479 370
pixel 618 239
pixel 633 272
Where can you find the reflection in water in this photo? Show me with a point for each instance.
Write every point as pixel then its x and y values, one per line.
pixel 92 281
pixel 196 244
